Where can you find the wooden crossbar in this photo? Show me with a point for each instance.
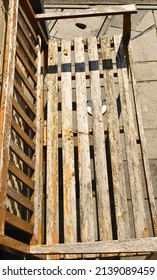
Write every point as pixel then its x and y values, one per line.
pixel 91 12
pixel 146 245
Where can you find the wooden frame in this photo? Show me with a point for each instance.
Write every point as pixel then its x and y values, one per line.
pixel 6 103
pixel 92 12
pixel 145 245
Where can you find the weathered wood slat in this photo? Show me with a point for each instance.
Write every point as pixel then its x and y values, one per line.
pixel 22 134
pixel 121 246
pixel 120 196
pixel 22 30
pixel 69 191
pixel 19 198
pixel 23 60
pixel 27 22
pixel 15 148
pixel 27 7
pixel 95 2
pixel 102 189
pixel 36 218
pixel 24 97
pixel 9 242
pixel 143 145
pixel 6 101
pixel 23 115
pixel 86 200
pixel 39 206
pixel 18 223
pixel 25 81
pixel 130 141
pixel 98 11
pixel 52 235
pixel 20 175
pixel 26 50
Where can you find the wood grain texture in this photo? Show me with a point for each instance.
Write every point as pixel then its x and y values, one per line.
pixel 130 141
pixel 52 219
pixel 92 12
pixel 36 218
pixel 143 146
pixel 102 189
pixel 123 227
pixel 69 191
pixel 124 246
pixel 6 101
pixel 96 2
pixel 85 180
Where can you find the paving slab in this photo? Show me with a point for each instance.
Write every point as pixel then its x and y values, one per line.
pixel 144 47
pixel 146 21
pixel 148 100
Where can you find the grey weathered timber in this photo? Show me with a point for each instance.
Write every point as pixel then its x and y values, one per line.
pixel 52 231
pixel 130 141
pixel 6 102
pixel 92 12
pixel 145 245
pixel 96 2
pixel 69 188
pixel 38 191
pixel 143 145
pixel 119 187
pixel 86 200
pixel 102 188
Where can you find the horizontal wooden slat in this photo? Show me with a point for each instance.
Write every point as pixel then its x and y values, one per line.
pixel 19 198
pixel 95 2
pixel 9 242
pixel 20 175
pixel 23 115
pixel 24 97
pixel 22 134
pixel 26 5
pixel 98 11
pixel 18 223
pixel 26 50
pixel 27 22
pixel 26 65
pixel 131 246
pixel 15 148
pixel 25 81
pixel 27 38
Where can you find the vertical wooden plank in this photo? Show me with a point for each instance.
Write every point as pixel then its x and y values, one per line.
pixel 69 190
pixel 102 189
pixel 6 102
pixel 143 145
pixel 120 196
pixel 52 217
pixel 86 200
pixel 130 141
pixel 38 194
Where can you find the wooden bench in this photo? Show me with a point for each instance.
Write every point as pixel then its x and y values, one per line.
pixel 95 187
pixel 98 197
